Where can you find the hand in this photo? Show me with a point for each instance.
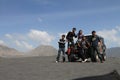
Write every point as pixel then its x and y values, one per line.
pixel 99 43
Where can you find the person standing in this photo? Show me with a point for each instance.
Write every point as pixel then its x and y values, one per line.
pixel 95 41
pixel 102 49
pixel 61 44
pixel 70 36
pixel 83 46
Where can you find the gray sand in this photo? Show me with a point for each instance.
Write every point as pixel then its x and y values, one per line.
pixel 45 68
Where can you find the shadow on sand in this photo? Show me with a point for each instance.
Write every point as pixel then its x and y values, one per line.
pixel 111 76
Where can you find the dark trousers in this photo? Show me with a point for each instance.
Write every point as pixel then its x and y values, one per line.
pixel 82 53
pixel 95 49
pixel 59 53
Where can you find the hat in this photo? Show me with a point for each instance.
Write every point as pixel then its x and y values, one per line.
pixel 74 28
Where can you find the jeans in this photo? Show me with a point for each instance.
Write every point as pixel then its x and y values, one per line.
pixel 93 54
pixel 59 53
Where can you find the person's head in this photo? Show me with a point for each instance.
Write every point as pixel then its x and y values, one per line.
pixel 83 38
pixel 63 36
pixel 80 31
pixel 93 33
pixel 73 29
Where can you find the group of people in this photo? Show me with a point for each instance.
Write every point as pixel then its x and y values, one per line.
pixel 95 43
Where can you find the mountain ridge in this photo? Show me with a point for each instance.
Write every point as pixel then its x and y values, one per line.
pixel 6 51
pixel 46 50
pixel 113 52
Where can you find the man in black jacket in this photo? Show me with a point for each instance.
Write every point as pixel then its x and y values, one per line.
pixel 61 48
pixel 70 36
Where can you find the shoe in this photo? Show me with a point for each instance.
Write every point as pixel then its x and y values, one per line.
pixel 56 61
pixel 84 60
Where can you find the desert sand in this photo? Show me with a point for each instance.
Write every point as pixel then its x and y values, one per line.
pixel 45 68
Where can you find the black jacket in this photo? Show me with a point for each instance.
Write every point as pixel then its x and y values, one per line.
pixel 70 36
pixel 61 43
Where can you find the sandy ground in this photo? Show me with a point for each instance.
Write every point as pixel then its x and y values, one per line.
pixel 45 68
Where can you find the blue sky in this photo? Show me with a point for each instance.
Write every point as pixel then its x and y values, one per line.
pixel 26 24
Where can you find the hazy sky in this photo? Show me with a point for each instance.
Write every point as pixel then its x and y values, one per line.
pixel 26 24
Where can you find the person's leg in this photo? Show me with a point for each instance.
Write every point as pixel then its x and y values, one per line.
pixel 93 54
pixel 72 42
pixel 84 55
pixel 99 55
pixel 81 54
pixel 103 57
pixel 63 56
pixel 58 56
pixel 68 44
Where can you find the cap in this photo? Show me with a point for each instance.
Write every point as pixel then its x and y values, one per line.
pixel 74 28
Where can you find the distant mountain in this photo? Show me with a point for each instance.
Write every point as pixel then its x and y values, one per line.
pixel 8 52
pixel 113 52
pixel 44 50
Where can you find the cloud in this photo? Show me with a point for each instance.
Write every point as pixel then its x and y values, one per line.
pixel 112 36
pixel 28 46
pixel 8 36
pixel 28 40
pixel 118 28
pixel 18 43
pixel 23 44
pixel 16 36
pixel 2 42
pixel 40 36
